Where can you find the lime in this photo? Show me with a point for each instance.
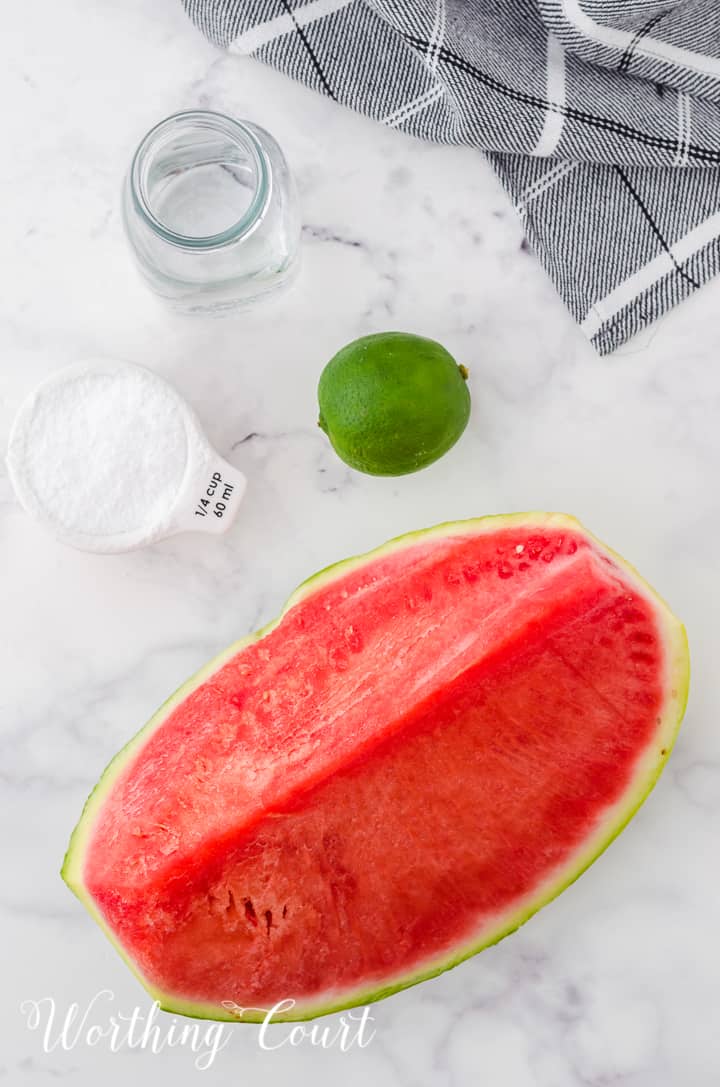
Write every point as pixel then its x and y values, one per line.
pixel 393 403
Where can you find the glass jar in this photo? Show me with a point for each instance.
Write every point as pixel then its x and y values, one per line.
pixel 210 212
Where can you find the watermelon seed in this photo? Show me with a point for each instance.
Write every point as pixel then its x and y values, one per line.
pixel 536 545
pixel 284 912
pixel 268 920
pixel 641 657
pixel 663 751
pixel 339 659
pixel 249 911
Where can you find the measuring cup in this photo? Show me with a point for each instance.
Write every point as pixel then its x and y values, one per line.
pixel 110 458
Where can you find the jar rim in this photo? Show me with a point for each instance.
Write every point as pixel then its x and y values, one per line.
pixel 238 131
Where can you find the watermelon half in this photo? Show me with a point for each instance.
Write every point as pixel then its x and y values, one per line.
pixel 430 743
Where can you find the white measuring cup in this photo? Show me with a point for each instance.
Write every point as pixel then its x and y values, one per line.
pixel 109 457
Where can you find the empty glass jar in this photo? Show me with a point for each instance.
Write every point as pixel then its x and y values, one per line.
pixel 210 212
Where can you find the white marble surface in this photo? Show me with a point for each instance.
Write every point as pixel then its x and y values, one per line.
pixel 617 982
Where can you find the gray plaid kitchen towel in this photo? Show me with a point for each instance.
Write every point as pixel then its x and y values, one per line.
pixel 601 117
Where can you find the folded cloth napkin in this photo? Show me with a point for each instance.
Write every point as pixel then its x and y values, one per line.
pixel 601 117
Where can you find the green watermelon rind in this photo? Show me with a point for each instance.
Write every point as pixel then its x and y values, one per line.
pixel 614 821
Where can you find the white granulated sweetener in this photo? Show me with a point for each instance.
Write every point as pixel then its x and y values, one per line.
pixel 103 452
pixel 106 453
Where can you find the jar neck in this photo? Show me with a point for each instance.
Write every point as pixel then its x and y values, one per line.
pixel 188 144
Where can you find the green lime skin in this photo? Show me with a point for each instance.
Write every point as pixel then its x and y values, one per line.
pixel 393 403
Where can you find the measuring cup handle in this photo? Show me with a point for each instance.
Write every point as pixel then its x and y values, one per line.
pixel 211 496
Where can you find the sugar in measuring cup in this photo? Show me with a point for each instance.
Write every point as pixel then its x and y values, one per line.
pixel 109 457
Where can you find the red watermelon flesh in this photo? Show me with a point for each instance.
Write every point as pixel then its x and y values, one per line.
pixel 431 742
